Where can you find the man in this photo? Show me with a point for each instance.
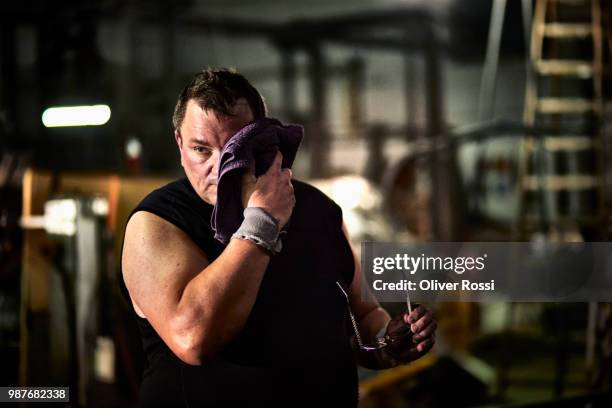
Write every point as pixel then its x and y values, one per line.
pixel 236 323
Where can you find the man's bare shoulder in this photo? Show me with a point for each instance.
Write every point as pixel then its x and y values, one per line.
pixel 157 254
pixel 149 225
pixel 147 232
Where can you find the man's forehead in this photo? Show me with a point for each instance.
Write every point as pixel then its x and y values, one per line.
pixel 198 124
pixel 202 140
pixel 207 126
pixel 240 106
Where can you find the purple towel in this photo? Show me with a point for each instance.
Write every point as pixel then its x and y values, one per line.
pixel 255 143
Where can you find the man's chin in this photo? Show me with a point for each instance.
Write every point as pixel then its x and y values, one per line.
pixel 210 196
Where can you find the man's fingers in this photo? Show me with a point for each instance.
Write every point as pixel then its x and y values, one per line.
pixel 426 332
pixel 421 324
pixel 248 185
pixel 420 349
pixel 415 315
pixel 275 167
pixel 278 160
pixel 288 175
pixel 424 346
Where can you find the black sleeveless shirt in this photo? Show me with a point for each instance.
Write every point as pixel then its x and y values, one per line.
pixel 294 348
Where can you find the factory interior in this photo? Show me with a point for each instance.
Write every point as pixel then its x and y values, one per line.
pixel 425 120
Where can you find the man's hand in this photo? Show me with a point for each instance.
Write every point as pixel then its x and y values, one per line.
pixel 411 335
pixel 272 191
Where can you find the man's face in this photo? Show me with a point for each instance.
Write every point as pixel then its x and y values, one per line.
pixel 200 140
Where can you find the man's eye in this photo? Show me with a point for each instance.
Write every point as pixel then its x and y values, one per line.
pixel 201 149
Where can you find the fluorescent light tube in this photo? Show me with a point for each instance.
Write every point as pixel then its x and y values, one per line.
pixel 93 115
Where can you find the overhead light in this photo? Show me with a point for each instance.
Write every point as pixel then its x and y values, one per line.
pixel 93 115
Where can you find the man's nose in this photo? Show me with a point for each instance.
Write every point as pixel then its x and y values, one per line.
pixel 214 171
pixel 214 164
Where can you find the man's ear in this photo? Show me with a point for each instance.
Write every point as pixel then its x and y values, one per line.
pixel 179 139
pixel 179 142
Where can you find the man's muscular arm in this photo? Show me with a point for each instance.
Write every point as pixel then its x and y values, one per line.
pixel 372 318
pixel 196 306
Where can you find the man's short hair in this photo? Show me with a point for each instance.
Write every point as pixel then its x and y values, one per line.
pixel 218 90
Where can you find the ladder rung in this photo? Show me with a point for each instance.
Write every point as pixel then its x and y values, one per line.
pixel 556 183
pixel 567 30
pixel 582 69
pixel 565 105
pixel 563 143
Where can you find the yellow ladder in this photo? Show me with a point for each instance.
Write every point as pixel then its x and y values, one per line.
pixel 546 107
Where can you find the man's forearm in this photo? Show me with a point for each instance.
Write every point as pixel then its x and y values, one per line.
pixel 370 325
pixel 217 302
